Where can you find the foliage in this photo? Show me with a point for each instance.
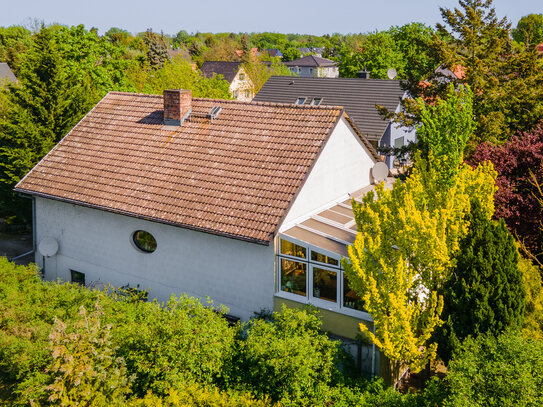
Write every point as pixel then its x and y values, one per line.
pixel 529 29
pixel 502 371
pixel 506 79
pixel 533 318
pixel 157 49
pixel 14 42
pixel 287 358
pixel 485 293
pixel 41 110
pixel 516 198
pixel 179 74
pixel 259 72
pixel 84 364
pixel 408 236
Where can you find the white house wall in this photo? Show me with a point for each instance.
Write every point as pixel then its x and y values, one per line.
pixel 342 168
pixel 237 274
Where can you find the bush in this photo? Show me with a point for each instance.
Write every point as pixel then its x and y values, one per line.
pixel 503 371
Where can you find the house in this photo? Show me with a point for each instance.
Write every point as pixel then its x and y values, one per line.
pixel 317 51
pixel 6 74
pixel 241 87
pixel 358 96
pixel 245 203
pixel 313 66
pixel 274 52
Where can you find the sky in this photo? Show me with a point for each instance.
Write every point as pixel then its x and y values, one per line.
pixel 316 17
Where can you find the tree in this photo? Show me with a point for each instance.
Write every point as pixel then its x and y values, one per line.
pixel 506 80
pixel 40 111
pixel 408 236
pixel 533 317
pixel 259 72
pixel 14 42
pixel 529 29
pixel 485 293
pixel 157 49
pixel 519 164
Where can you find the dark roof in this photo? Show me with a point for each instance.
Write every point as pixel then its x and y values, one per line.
pixel 311 60
pixel 227 69
pixel 357 96
pixel 6 73
pixel 236 176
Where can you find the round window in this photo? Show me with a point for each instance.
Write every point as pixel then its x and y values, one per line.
pixel 144 241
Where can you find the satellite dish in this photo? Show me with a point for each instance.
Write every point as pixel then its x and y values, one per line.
pixel 391 73
pixel 48 247
pixel 379 172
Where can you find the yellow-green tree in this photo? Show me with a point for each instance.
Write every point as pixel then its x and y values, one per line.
pixel 408 235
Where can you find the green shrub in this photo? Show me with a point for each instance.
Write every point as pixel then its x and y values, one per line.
pixel 503 371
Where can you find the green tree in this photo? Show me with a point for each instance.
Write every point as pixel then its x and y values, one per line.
pixel 157 49
pixel 533 317
pixel 39 112
pixel 408 236
pixel 14 42
pixel 485 292
pixel 529 29
pixel 506 79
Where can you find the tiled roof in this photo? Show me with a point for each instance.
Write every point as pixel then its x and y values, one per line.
pixel 311 60
pixel 227 69
pixel 357 96
pixel 236 176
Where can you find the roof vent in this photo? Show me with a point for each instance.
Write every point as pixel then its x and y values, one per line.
pixel 177 106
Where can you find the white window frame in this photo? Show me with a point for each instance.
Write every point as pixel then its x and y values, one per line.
pixel 304 99
pixel 310 264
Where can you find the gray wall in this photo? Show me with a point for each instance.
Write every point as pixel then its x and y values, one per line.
pixel 237 274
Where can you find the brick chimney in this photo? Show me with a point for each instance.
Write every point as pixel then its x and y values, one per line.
pixel 177 106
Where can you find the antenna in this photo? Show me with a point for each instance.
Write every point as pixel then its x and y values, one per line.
pixel 391 73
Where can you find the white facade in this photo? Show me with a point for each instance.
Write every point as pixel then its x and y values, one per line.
pixel 343 167
pixel 238 274
pixel 242 87
pixel 99 244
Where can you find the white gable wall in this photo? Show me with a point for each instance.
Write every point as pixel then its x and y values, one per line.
pixel 343 167
pixel 237 274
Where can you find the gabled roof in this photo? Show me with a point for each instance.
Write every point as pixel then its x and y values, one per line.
pixel 6 74
pixel 357 96
pixel 228 69
pixel 311 61
pixel 236 176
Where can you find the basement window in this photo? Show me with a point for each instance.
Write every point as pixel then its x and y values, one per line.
pixel 144 241
pixel 77 277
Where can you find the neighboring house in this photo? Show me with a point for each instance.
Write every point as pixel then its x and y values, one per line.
pixel 274 53
pixel 317 51
pixel 241 87
pixel 445 74
pixel 359 97
pixel 6 74
pixel 313 66
pixel 247 203
pixel 254 53
pixel 540 48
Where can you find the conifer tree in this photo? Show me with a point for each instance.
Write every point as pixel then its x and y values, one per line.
pixel 37 114
pixel 485 293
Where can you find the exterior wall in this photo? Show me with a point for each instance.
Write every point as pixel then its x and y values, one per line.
pixel 313 71
pixel 237 274
pixel 396 137
pixel 239 87
pixel 342 168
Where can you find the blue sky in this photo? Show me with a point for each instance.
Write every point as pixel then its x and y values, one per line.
pixel 299 16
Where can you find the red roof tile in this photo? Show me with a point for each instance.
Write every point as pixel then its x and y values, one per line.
pixel 236 176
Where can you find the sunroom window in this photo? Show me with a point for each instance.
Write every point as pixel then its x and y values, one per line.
pixel 325 284
pixel 292 249
pixel 293 277
pixel 350 297
pixel 322 258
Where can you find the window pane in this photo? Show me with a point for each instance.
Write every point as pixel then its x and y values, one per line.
pixel 315 256
pixel 144 241
pixel 292 249
pixel 316 101
pixel 77 277
pixel 350 298
pixel 293 276
pixel 325 284
pixel 300 101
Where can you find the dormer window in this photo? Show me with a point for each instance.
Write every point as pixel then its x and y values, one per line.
pixel 300 101
pixel 316 101
pixel 241 76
